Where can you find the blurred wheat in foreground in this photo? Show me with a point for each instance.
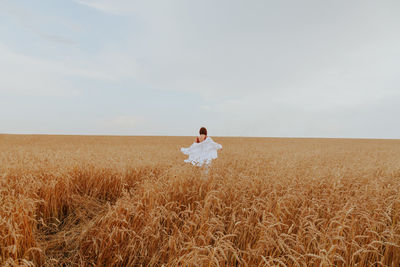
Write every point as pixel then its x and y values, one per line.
pixel 128 201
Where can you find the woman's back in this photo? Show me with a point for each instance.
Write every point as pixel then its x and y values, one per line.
pixel 201 138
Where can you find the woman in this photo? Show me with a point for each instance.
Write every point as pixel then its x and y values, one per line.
pixel 203 150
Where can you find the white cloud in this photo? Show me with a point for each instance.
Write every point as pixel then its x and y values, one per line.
pixel 257 47
pixel 100 5
pixel 32 21
pixel 24 74
pixel 123 124
pixel 115 7
pixel 128 122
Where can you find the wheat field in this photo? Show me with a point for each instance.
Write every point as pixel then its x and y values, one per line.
pixel 132 201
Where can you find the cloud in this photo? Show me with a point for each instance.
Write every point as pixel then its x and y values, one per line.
pixel 115 7
pixel 54 38
pixel 100 5
pixel 26 75
pixel 23 74
pixel 32 21
pixel 123 124
pixel 258 47
pixel 127 122
pixel 305 69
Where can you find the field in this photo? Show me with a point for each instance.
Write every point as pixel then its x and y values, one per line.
pixel 129 201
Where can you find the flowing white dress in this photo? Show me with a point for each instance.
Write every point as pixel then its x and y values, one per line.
pixel 202 153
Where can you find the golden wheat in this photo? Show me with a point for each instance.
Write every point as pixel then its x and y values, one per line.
pixel 128 201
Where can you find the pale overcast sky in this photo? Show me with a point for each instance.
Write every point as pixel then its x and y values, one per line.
pixel 240 68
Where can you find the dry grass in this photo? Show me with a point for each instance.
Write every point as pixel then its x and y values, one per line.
pixel 127 201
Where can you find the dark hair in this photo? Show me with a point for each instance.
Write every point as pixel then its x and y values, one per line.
pixel 203 130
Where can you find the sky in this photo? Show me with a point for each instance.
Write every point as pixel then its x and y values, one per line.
pixel 284 68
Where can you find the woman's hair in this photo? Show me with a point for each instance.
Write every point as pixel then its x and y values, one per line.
pixel 203 130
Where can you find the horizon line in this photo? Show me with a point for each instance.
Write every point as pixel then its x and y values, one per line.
pixel 223 136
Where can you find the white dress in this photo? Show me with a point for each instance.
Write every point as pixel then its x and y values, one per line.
pixel 202 153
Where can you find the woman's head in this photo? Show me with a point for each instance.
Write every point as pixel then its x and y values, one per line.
pixel 203 130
